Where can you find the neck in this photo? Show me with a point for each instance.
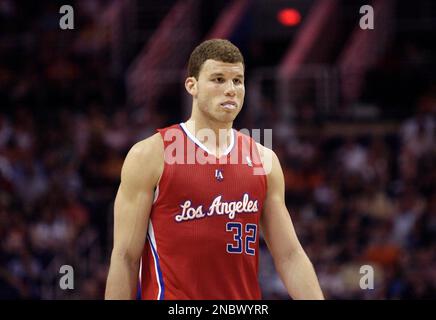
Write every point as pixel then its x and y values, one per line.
pixel 198 122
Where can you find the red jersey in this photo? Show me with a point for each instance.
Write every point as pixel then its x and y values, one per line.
pixel 203 234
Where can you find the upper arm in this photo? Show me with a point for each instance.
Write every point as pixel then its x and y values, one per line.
pixel 276 223
pixel 139 177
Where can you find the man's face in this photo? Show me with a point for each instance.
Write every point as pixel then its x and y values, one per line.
pixel 220 90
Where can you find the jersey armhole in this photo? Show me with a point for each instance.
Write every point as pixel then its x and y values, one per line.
pixel 157 188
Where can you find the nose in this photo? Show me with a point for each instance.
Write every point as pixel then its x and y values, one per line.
pixel 230 89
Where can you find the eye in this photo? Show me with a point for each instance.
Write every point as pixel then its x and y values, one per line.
pixel 237 81
pixel 218 80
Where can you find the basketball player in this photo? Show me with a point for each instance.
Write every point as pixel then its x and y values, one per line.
pixel 190 229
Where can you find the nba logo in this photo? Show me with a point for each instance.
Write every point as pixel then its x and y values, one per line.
pixel 219 175
pixel 250 164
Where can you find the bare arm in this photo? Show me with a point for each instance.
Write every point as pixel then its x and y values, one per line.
pixel 139 176
pixel 292 263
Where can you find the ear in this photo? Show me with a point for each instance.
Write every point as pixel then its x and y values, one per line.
pixel 191 86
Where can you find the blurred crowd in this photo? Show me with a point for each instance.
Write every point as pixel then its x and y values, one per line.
pixel 365 199
pixel 64 132
pixel 65 128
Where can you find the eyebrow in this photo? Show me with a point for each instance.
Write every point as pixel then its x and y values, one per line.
pixel 219 74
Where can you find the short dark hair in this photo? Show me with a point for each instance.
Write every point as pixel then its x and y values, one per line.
pixel 216 49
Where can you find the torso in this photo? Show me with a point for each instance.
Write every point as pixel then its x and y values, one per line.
pixel 203 234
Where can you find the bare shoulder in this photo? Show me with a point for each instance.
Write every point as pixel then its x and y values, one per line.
pixel 269 159
pixel 267 154
pixel 264 151
pixel 144 161
pixel 147 147
pixel 273 170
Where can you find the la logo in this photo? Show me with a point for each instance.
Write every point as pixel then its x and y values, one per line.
pixel 219 175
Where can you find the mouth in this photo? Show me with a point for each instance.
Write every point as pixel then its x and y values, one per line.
pixel 229 105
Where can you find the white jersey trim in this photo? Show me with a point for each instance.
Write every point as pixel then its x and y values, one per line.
pixel 155 254
pixel 202 146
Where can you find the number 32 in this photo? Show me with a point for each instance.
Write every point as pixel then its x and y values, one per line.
pixel 239 246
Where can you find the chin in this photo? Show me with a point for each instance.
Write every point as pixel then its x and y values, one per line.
pixel 228 115
pixel 227 118
pixel 222 116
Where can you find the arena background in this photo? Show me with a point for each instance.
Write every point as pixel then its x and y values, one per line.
pixel 352 113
